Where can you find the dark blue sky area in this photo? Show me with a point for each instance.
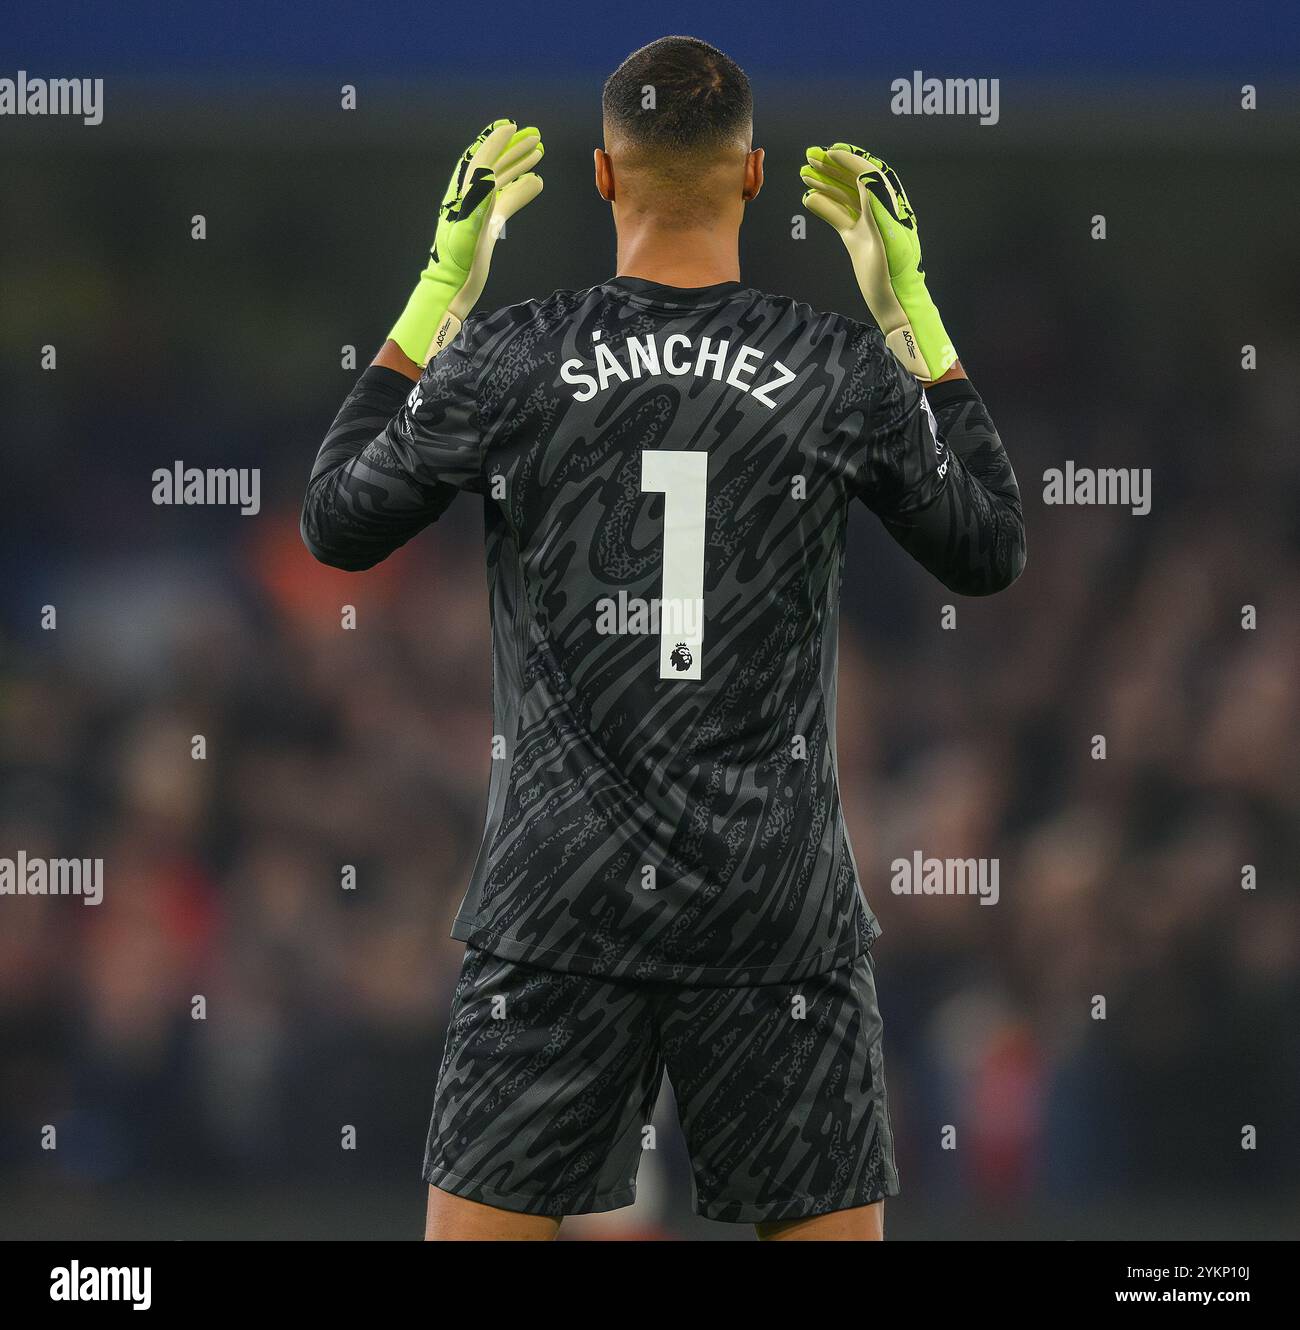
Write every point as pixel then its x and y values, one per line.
pixel 805 38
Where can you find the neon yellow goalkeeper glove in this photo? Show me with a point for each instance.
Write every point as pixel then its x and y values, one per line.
pixel 492 181
pixel 864 200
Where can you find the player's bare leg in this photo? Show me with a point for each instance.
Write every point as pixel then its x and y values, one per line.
pixel 454 1219
pixel 864 1223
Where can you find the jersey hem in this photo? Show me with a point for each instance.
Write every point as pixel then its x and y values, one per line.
pixel 721 976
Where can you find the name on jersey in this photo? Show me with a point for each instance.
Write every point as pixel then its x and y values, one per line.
pixel 677 355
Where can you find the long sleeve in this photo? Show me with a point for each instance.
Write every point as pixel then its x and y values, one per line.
pixel 393 460
pixel 935 472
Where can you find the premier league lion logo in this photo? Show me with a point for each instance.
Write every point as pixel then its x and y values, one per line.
pixel 681 657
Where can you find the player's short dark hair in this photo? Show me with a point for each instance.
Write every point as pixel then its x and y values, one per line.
pixel 701 97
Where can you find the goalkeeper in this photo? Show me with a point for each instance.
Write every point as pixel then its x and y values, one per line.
pixel 658 879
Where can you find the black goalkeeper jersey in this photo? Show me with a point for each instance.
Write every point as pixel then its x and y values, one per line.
pixel 666 476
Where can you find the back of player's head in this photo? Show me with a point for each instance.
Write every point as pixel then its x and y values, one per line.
pixel 679 95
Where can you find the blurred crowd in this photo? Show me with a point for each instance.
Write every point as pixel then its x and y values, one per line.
pixel 325 992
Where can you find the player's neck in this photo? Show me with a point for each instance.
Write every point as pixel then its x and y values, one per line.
pixel 679 256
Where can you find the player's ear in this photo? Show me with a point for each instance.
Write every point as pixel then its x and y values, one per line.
pixel 753 175
pixel 604 175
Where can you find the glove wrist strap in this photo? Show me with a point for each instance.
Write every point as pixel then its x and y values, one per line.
pixel 425 317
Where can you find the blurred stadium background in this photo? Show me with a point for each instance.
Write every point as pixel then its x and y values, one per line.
pixel 1119 877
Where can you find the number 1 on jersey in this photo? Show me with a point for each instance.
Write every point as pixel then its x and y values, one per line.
pixel 682 478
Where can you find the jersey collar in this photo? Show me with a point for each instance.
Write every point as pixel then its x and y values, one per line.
pixel 688 297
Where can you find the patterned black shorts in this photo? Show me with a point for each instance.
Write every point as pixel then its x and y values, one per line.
pixel 549 1079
